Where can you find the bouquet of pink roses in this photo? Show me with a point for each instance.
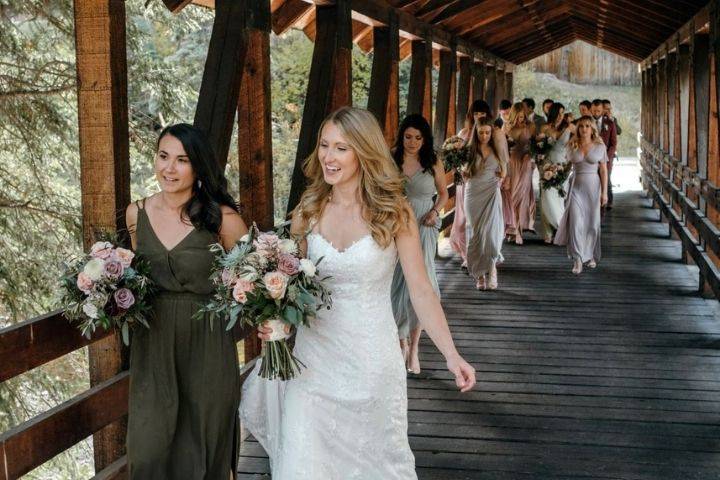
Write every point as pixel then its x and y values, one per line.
pixel 455 155
pixel 104 289
pixel 264 279
pixel 554 175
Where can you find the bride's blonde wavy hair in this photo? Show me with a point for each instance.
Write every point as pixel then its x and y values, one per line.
pixel 381 185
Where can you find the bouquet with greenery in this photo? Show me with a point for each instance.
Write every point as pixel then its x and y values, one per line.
pixel 540 147
pixel 455 155
pixel 263 279
pixel 107 287
pixel 554 175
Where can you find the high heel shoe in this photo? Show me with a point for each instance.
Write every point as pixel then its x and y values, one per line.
pixel 577 267
pixel 549 239
pixel 492 281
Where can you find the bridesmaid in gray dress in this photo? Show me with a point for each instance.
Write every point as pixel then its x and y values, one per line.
pixel 579 227
pixel 483 203
pixel 425 174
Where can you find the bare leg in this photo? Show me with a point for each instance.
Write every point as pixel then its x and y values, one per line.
pixel 413 364
pixel 405 349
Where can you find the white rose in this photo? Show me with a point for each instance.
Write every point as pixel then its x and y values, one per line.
pixel 245 238
pixel 90 310
pixel 307 267
pixel 249 274
pixel 94 269
pixel 288 246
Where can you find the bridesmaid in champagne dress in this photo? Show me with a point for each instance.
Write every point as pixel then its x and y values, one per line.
pixel 425 174
pixel 579 227
pixel 479 109
pixel 521 133
pixel 483 202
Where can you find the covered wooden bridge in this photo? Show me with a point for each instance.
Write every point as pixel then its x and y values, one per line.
pixel 612 375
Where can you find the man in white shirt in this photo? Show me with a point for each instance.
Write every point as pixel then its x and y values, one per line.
pixel 529 105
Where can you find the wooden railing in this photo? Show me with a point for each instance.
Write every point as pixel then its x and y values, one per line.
pixel 33 343
pixel 678 192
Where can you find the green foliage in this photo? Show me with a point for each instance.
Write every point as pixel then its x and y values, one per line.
pixel 625 100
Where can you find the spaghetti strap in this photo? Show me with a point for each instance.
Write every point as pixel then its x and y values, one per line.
pixel 140 204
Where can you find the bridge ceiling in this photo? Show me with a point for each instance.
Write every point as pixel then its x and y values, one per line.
pixel 519 30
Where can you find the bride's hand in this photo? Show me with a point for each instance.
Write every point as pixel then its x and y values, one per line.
pixel 265 331
pixel 463 371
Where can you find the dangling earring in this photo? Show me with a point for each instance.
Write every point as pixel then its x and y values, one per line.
pixel 199 184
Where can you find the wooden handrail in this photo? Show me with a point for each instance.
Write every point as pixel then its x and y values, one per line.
pixel 37 341
pixel 39 439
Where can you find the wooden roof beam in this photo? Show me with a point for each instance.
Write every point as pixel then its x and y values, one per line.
pixel 633 31
pixel 510 30
pixel 289 13
pixel 699 23
pixel 553 7
pixel 477 20
pixel 458 8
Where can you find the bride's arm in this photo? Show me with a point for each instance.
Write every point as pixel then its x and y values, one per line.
pixel 427 305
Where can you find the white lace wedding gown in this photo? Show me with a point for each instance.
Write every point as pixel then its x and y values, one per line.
pixel 345 416
pixel 552 205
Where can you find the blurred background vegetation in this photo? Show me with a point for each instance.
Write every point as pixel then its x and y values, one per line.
pixel 39 173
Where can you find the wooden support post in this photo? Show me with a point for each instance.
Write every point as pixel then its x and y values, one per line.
pixel 692 109
pixel 453 114
pixel 220 88
pixel 383 98
pixel 499 89
pixel 655 111
pixel 329 84
pixel 677 108
pixel 490 85
pixel 448 61
pixel 662 104
pixel 420 87
pixel 671 75
pixel 463 92
pixel 713 173
pixel 255 133
pixel 509 86
pixel 104 166
pixel 701 69
pixel 478 82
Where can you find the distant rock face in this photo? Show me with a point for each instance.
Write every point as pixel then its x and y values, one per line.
pixel 580 62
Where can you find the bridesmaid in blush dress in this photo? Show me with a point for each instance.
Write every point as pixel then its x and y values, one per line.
pixel 579 227
pixel 521 132
pixel 479 109
pixel 483 202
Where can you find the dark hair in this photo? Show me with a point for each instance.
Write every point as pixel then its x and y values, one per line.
pixel 529 102
pixel 427 152
pixel 209 191
pixel 554 113
pixel 505 104
pixel 607 102
pixel 597 102
pixel 586 103
pixel 547 100
pixel 477 106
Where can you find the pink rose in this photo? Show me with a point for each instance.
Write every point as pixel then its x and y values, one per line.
pixel 288 264
pixel 241 289
pixel 267 245
pixel 124 298
pixel 113 269
pixel 84 283
pixel 548 175
pixel 124 256
pixel 276 283
pixel 227 277
pixel 101 250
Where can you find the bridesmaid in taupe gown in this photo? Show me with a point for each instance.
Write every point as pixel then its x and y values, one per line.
pixel 184 383
pixel 483 204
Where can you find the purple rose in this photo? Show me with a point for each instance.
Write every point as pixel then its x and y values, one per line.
pixel 124 298
pixel 113 269
pixel 288 264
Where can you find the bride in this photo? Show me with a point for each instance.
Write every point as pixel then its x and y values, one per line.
pixel 345 416
pixel 552 205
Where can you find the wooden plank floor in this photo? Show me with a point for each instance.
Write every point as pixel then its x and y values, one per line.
pixel 614 374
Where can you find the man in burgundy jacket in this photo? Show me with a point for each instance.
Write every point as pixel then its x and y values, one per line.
pixel 608 133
